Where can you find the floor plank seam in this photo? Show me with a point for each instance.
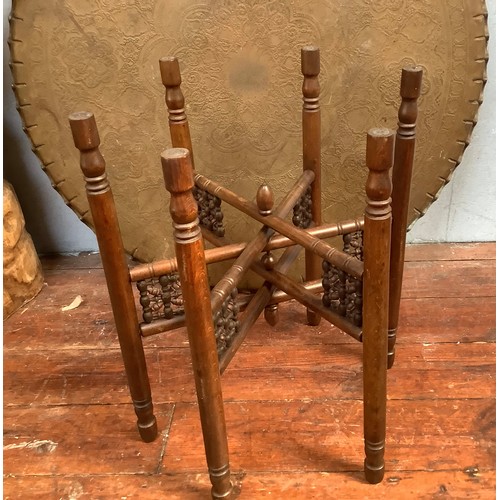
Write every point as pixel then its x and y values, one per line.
pixel 238 401
pixel 183 472
pixel 151 349
pixel 165 435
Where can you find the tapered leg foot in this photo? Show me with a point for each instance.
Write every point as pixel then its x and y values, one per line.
pixel 271 314
pixel 374 462
pixel 313 318
pixel 391 350
pixel 146 421
pixel 221 482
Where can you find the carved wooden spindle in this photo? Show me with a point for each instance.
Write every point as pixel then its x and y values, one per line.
pixel 271 311
pixel 166 296
pixel 265 199
pixel 174 98
pixel 353 245
pixel 178 174
pixel 377 234
pixel 86 139
pixel 411 81
pixel 265 202
pixel 311 144
pixel 145 301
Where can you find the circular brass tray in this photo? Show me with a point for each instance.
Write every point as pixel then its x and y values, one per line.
pixel 241 77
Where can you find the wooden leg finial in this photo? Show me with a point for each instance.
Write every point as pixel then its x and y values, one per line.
pixel 178 175
pixel 174 98
pixel 377 234
pixel 411 81
pixel 86 138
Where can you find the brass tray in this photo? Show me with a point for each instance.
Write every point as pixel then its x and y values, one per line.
pixel 241 76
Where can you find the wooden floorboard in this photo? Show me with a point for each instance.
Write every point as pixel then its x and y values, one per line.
pixel 470 483
pixel 430 371
pixel 447 319
pixel 293 396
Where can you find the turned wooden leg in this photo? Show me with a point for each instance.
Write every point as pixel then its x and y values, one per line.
pixel 411 80
pixel 311 144
pixel 377 234
pixel 103 211
pixel 178 174
pixel 174 98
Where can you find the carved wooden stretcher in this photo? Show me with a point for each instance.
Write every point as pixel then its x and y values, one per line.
pixel 360 286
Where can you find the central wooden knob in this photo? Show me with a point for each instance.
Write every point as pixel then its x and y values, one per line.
pixel 265 199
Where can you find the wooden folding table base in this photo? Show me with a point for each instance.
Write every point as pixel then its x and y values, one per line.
pixel 360 286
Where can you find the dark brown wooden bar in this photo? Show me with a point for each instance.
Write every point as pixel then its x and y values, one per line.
pixel 345 262
pixel 231 251
pixel 256 305
pixel 233 276
pixel 311 153
pixel 404 150
pixel 307 298
pixel 178 174
pixel 102 207
pixel 377 238
pixel 279 296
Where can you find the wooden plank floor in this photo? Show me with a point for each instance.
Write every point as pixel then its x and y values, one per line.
pixel 293 397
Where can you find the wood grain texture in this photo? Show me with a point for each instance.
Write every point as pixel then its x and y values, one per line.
pixel 419 485
pixel 69 440
pixel 327 436
pixel 450 251
pixel 293 398
pixel 325 371
pixel 44 326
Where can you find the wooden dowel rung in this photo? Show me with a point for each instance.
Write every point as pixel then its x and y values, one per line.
pixel 347 263
pixel 322 232
pixel 162 325
pixel 213 255
pixel 233 276
pixel 305 297
pixel 279 296
pixel 256 305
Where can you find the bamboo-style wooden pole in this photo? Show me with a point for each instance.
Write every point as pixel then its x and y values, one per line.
pixel 349 264
pixel 300 293
pixel 102 207
pixel 236 272
pixel 178 174
pixel 311 153
pixel 411 81
pixel 259 301
pixel 212 255
pixel 377 238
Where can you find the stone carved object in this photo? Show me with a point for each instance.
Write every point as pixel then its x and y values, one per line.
pixel 22 271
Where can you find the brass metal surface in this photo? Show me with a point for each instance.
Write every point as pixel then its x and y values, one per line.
pixel 240 64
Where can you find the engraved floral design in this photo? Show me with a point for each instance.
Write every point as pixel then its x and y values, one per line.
pixel 103 56
pixel 87 59
pixel 249 79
